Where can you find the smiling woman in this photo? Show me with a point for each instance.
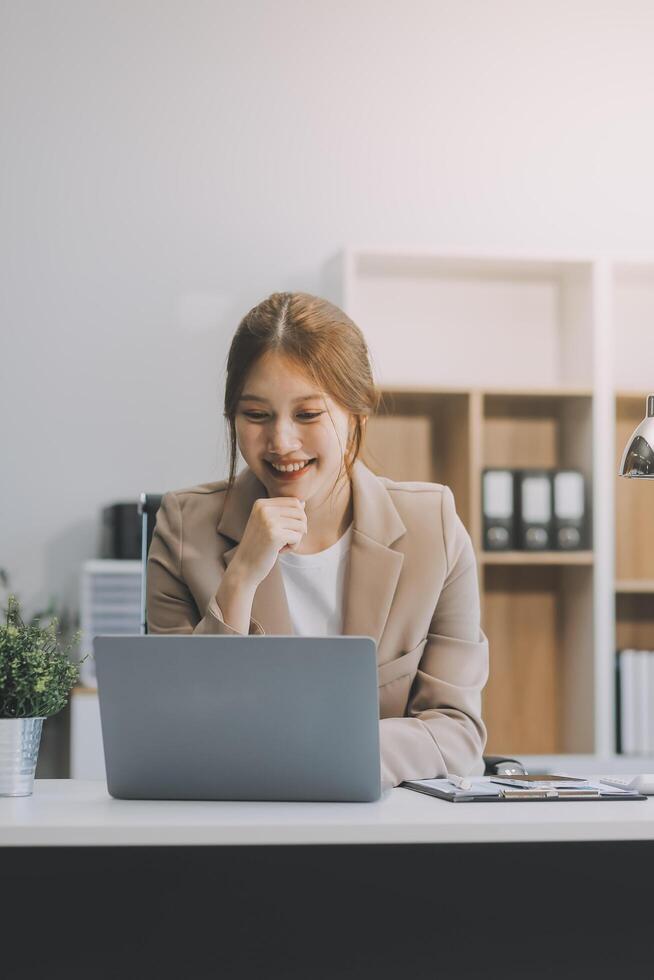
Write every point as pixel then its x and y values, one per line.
pixel 307 540
pixel 298 446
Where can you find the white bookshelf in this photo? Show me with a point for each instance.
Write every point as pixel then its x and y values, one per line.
pixel 541 327
pixel 472 308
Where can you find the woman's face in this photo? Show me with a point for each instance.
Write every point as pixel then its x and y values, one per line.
pixel 281 418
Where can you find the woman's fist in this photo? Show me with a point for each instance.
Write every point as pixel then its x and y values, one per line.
pixel 275 524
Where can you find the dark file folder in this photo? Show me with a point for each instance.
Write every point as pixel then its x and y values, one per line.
pixel 569 510
pixel 498 509
pixel 534 509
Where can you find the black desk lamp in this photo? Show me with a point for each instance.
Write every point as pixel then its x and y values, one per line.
pixel 638 456
pixel 638 463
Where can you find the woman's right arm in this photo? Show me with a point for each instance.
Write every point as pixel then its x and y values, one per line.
pixel 170 605
pixel 234 598
pixel 274 524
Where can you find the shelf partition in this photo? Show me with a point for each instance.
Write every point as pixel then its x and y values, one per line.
pixel 634 586
pixel 425 436
pixel 536 557
pixel 470 320
pixel 536 619
pixel 634 621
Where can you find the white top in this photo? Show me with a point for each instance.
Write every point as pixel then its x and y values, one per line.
pixel 315 588
pixel 77 812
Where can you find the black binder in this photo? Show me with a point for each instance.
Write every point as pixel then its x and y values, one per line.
pixel 569 510
pixel 534 509
pixel 498 509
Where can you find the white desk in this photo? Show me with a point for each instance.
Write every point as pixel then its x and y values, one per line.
pixel 66 812
pixel 409 885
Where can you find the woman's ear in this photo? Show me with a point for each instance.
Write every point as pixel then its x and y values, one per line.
pixel 352 429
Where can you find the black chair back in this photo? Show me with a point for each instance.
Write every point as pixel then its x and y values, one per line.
pixel 149 504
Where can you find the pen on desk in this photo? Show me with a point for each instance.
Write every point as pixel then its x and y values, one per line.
pixel 515 783
pixel 459 781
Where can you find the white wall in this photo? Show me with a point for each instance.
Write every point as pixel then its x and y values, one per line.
pixel 167 164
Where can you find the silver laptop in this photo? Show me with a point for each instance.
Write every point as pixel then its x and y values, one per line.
pixel 239 717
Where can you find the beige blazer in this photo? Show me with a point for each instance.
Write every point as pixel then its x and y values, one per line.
pixel 411 586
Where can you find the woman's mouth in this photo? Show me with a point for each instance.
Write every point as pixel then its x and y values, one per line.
pixel 292 474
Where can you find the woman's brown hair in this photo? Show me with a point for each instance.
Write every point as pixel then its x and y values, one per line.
pixel 322 341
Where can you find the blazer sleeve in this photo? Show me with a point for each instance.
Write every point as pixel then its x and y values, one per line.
pixel 443 730
pixel 170 605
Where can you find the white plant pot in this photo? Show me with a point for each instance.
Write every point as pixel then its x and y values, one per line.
pixel 19 749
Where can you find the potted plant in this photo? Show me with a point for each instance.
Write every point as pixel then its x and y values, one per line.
pixel 36 677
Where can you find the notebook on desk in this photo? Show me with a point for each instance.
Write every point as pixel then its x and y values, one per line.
pixel 486 790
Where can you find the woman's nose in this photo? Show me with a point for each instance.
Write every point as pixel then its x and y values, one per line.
pixel 283 438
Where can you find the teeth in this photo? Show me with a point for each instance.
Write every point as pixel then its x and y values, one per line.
pixel 292 467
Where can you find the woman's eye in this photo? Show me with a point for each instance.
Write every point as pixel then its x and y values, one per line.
pixel 305 416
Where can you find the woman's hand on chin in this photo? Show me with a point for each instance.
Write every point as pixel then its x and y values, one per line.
pixel 274 524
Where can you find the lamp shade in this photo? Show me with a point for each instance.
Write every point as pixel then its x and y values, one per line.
pixel 638 456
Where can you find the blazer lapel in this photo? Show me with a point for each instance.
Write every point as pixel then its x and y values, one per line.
pixel 374 573
pixel 374 567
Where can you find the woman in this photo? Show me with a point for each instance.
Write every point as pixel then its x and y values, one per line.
pixel 307 540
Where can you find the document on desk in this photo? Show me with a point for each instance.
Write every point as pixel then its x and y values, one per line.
pixel 482 790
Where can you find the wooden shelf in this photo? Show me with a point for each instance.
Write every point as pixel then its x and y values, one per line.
pixel 427 435
pixel 634 621
pixel 550 391
pixel 636 396
pixel 634 586
pixel 536 606
pixel 538 620
pixel 536 557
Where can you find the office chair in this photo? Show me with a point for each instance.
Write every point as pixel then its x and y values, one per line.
pixel 149 503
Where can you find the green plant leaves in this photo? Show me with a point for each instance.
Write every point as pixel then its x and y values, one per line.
pixel 36 673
